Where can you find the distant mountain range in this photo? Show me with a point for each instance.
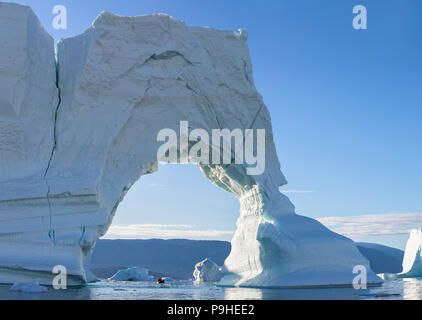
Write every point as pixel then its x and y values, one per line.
pixel 383 259
pixel 173 258
pixel 177 258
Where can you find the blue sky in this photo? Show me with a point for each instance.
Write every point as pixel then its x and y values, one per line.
pixel 346 107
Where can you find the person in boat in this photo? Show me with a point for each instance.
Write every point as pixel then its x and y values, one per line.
pixel 160 281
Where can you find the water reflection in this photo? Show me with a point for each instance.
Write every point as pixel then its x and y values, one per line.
pixel 294 294
pixel 412 288
pixel 408 289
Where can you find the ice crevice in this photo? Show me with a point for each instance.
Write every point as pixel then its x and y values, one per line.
pixel 168 55
pixel 109 92
pixel 51 232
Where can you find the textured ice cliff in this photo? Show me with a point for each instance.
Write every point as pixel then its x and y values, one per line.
pixel 412 260
pixel 207 271
pixel 68 157
pixel 28 100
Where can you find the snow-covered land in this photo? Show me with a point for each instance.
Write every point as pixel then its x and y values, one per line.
pixel 207 271
pixel 132 274
pixel 412 261
pixel 70 153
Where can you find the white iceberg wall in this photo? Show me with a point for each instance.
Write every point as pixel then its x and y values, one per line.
pixel 412 260
pixel 121 82
pixel 28 101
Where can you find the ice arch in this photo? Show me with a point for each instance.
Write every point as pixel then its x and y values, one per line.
pixel 72 148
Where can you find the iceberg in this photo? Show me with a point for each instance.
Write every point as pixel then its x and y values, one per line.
pixel 77 132
pixel 132 274
pixel 412 260
pixel 207 271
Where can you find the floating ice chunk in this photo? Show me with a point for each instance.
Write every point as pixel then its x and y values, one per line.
pixel 132 274
pixel 33 287
pixel 207 271
pixel 387 276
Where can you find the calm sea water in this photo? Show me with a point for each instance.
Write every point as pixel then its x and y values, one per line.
pixel 401 289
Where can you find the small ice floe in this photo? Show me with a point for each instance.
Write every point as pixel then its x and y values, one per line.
pixel 387 276
pixel 33 287
pixel 132 274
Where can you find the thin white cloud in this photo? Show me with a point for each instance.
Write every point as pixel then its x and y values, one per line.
pixel 389 224
pixel 165 231
pixel 374 224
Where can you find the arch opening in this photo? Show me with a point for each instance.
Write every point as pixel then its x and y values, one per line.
pixel 167 222
pixel 178 200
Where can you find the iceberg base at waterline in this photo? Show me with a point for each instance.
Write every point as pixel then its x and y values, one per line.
pixel 294 251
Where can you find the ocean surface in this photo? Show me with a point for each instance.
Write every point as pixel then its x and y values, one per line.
pixel 398 289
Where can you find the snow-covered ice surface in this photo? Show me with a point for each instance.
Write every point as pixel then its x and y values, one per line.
pixel 132 274
pixel 400 289
pixel 412 261
pixel 69 155
pixel 207 271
